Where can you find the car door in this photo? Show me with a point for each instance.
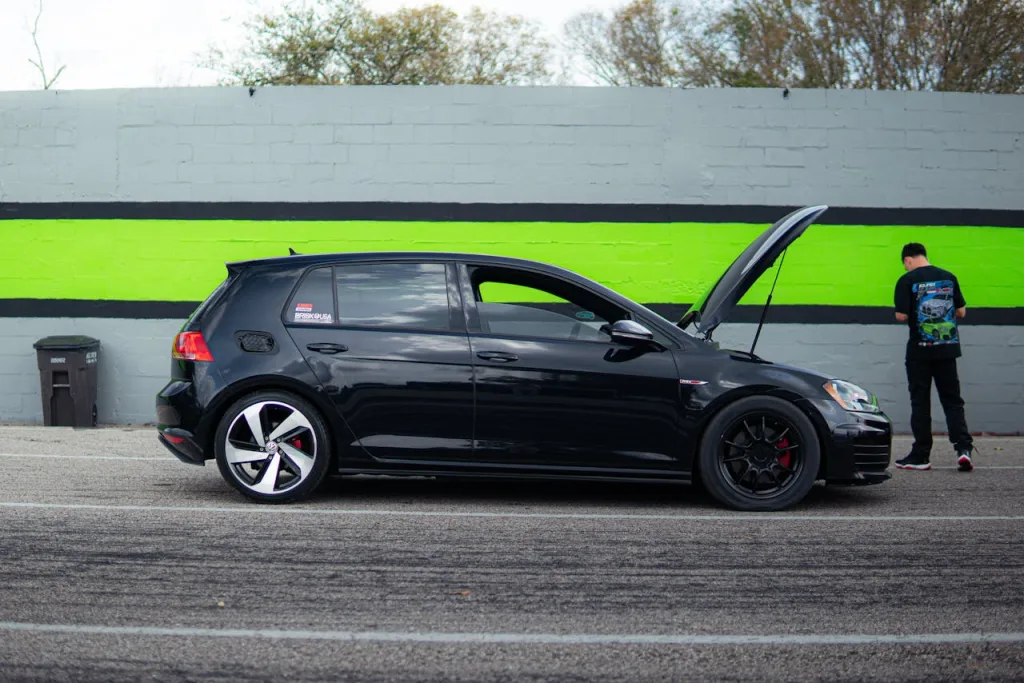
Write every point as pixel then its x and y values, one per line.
pixel 387 340
pixel 552 389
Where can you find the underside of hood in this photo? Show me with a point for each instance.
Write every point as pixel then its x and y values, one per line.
pixel 719 300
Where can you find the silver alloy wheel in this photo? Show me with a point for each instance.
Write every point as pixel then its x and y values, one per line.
pixel 270 447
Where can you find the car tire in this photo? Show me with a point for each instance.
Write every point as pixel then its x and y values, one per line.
pixel 297 460
pixel 758 454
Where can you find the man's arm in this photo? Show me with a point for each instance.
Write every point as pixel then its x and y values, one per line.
pixel 901 299
pixel 958 299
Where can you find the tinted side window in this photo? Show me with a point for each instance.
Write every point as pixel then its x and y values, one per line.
pixel 314 299
pixel 413 295
pixel 510 309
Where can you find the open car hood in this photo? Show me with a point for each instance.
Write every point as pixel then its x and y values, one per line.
pixel 718 301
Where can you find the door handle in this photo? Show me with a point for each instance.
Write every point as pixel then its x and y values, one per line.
pixel 499 356
pixel 326 347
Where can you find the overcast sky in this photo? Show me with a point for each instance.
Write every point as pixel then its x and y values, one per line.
pixel 143 43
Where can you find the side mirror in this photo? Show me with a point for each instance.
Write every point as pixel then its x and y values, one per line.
pixel 628 332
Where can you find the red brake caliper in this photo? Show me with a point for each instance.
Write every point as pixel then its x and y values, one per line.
pixel 785 458
pixel 297 443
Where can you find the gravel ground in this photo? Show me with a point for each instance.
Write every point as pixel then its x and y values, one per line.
pixel 152 569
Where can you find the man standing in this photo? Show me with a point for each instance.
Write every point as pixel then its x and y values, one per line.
pixel 929 300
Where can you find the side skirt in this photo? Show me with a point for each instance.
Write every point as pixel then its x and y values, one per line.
pixel 632 476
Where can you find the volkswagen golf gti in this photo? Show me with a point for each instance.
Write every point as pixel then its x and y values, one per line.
pixel 437 364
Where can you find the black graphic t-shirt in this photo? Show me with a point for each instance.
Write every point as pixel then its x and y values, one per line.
pixel 929 296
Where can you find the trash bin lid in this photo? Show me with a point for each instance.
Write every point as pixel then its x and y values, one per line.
pixel 72 342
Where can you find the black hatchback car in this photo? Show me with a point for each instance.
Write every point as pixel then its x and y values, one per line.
pixel 402 363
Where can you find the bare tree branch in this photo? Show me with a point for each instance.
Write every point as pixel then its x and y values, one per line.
pixel 47 83
pixel 953 45
pixel 643 43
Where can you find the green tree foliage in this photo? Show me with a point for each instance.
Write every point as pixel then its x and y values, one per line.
pixel 332 42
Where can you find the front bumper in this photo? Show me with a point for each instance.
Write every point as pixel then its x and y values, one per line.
pixel 861 452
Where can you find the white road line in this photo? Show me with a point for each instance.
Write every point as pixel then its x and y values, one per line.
pixel 980 467
pixel 267 509
pixel 84 457
pixel 531 638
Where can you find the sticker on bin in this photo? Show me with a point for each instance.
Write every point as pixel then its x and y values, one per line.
pixel 90 357
pixel 57 359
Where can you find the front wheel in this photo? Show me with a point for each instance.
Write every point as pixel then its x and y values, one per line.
pixel 272 446
pixel 758 454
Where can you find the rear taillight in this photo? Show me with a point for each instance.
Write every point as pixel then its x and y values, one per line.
pixel 191 346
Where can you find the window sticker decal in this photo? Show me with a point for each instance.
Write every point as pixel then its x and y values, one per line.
pixel 314 317
pixel 305 313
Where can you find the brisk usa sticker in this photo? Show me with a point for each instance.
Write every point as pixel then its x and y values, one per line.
pixel 304 313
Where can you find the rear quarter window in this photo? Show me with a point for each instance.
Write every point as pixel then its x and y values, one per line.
pixel 197 315
pixel 313 301
pixel 393 295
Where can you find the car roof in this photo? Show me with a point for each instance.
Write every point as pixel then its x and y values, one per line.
pixel 291 260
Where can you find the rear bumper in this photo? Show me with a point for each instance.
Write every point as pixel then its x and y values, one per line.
pixel 176 412
pixel 181 444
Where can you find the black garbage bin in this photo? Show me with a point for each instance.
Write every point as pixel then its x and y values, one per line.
pixel 67 376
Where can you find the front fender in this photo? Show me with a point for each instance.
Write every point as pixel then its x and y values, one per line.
pixel 821 422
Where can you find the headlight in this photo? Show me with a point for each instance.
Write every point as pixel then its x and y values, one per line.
pixel 851 397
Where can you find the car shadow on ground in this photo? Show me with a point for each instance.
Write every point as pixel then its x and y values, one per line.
pixel 650 497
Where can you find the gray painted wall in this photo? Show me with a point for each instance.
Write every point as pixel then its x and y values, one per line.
pixel 991 371
pixel 482 144
pixel 134 364
pixel 474 144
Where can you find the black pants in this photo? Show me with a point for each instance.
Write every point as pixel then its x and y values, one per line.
pixel 920 374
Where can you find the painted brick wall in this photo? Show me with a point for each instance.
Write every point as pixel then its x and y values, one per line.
pixel 991 372
pixel 467 144
pixel 520 145
pixel 134 363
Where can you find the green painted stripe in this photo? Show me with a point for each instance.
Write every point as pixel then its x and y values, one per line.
pixel 669 262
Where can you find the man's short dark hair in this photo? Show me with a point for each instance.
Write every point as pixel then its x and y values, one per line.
pixel 914 249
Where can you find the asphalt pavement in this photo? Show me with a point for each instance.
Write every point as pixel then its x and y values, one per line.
pixel 121 563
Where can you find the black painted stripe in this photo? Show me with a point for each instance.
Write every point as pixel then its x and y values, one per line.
pixel 95 308
pixel 500 212
pixel 778 314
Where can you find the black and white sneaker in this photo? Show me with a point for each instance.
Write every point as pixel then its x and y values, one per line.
pixel 914 462
pixel 963 460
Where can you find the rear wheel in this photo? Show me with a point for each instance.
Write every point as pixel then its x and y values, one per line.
pixel 760 453
pixel 272 446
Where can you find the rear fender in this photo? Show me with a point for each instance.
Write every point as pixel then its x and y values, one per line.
pixel 341 434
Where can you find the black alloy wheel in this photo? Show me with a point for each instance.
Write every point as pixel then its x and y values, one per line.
pixel 758 454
